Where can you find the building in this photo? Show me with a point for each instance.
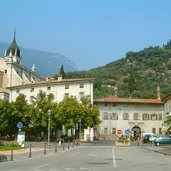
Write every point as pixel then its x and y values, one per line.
pixel 167 112
pixel 12 73
pixel 137 115
pixel 58 87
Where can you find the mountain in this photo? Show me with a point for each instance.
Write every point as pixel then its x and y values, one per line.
pixel 137 75
pixel 46 63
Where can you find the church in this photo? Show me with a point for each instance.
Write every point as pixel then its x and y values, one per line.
pixel 12 73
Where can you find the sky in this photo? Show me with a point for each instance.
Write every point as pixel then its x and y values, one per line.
pixel 91 33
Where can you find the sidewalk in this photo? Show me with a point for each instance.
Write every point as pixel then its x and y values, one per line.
pixel 37 149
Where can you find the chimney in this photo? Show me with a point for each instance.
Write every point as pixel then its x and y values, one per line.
pixel 158 93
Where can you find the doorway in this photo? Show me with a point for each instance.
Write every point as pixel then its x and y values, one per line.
pixel 136 131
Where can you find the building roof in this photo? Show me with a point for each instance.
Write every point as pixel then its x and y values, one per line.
pixel 13 48
pixel 52 82
pixel 128 100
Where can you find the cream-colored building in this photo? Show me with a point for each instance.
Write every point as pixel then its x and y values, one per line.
pixel 137 115
pixel 58 87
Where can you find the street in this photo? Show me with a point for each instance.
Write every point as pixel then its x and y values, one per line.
pixel 94 157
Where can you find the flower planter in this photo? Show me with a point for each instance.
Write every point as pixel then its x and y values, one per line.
pixel 122 144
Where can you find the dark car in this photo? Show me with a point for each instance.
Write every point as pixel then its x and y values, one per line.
pixel 3 158
pixel 146 139
pixel 162 140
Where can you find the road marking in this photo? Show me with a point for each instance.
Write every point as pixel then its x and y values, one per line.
pixel 114 158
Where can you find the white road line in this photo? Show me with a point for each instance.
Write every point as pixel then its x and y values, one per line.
pixel 114 159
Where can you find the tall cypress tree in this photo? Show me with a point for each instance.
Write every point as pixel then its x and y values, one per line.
pixel 62 71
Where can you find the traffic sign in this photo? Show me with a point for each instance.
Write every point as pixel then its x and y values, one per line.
pixel 127 131
pixel 19 125
pixel 119 131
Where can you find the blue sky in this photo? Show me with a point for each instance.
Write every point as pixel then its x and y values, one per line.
pixel 91 33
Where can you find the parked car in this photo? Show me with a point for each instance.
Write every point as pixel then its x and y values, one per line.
pixel 162 140
pixel 149 137
pixel 3 158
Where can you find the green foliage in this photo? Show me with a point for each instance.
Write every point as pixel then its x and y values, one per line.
pixel 137 75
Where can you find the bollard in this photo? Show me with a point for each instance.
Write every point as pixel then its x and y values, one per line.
pixel 30 154
pixel 56 147
pixel 63 145
pixel 45 149
pixel 68 144
pixel 12 156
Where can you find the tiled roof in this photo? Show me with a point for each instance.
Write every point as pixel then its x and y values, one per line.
pixel 128 100
pixel 54 81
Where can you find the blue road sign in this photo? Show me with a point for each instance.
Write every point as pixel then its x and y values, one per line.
pixel 19 125
pixel 127 131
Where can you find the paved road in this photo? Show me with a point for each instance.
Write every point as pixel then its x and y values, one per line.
pixel 100 156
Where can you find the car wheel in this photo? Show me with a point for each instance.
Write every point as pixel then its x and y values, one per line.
pixel 158 144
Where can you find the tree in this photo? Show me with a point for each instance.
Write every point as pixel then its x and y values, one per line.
pixel 62 71
pixel 40 106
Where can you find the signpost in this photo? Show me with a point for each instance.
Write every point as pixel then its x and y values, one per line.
pixel 21 135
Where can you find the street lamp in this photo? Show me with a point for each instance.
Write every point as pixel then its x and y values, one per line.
pixel 49 112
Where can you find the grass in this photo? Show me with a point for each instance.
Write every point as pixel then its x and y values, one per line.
pixel 8 147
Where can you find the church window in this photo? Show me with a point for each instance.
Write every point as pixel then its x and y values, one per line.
pixel 5 71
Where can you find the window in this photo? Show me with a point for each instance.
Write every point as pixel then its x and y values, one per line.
pixel 66 94
pixel 32 90
pixel 145 116
pixel 31 98
pixel 81 85
pixel 5 71
pixel 49 88
pixel 105 130
pixel 81 95
pixel 113 104
pixel 160 117
pixel 153 117
pixel 154 130
pixel 125 116
pixel 114 116
pixel 160 130
pixel 17 91
pixel 105 116
pixel 113 130
pixel 66 86
pixel 135 117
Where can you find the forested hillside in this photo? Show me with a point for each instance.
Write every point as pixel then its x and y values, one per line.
pixel 137 75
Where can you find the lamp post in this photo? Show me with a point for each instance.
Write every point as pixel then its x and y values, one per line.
pixel 49 113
